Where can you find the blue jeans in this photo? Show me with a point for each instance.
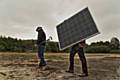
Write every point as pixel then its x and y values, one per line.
pixel 41 50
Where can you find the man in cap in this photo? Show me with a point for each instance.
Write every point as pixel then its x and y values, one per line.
pixel 41 41
pixel 78 48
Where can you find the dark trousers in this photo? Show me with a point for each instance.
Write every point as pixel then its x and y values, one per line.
pixel 41 54
pixel 82 58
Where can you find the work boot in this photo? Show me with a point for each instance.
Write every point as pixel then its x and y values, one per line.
pixel 69 71
pixel 83 75
pixel 42 64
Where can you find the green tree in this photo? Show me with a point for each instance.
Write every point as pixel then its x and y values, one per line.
pixel 115 43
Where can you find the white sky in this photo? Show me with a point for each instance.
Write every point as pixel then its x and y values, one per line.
pixel 19 18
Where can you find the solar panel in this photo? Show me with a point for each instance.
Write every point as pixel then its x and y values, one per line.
pixel 80 26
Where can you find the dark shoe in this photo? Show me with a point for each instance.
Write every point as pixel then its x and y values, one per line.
pixel 41 65
pixel 69 71
pixel 83 75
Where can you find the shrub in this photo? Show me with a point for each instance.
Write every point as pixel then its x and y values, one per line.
pixel 97 49
pixel 115 51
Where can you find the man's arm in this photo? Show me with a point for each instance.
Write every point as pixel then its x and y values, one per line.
pixel 82 44
pixel 42 38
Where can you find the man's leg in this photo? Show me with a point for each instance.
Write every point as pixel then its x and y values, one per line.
pixel 41 55
pixel 83 61
pixel 71 59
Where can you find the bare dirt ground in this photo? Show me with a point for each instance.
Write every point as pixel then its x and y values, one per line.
pixel 23 66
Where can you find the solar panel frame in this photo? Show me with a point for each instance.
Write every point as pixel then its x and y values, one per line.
pixel 83 20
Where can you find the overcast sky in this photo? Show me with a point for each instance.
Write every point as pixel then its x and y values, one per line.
pixel 19 18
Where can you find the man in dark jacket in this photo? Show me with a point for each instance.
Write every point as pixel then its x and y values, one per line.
pixel 41 41
pixel 78 48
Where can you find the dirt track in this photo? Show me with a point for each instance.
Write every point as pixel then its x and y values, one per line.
pixel 101 67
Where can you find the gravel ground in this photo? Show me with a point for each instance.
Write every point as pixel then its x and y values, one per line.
pixel 106 68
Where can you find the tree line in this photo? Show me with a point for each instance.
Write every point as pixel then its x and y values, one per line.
pixel 8 44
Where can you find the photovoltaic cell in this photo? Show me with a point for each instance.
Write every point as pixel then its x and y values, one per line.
pixel 79 27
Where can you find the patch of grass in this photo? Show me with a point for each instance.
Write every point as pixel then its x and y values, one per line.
pixel 16 56
pixel 28 56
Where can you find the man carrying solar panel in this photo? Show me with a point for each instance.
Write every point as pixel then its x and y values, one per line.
pixel 80 26
pixel 78 48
